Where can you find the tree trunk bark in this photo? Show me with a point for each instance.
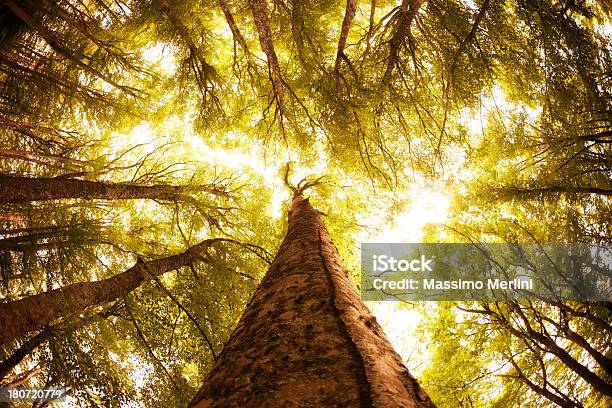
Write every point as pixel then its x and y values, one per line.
pixel 349 14
pixel 306 339
pixel 55 43
pixel 20 317
pixel 259 8
pixel 14 189
pixel 41 158
pixel 26 348
pixel 297 28
pixel 237 34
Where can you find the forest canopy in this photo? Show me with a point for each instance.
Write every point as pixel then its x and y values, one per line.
pixel 144 146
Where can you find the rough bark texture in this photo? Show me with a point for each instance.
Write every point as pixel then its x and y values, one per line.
pixel 15 189
pixel 22 316
pixel 306 339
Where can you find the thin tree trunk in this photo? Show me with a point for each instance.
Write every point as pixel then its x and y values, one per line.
pixel 259 8
pixel 562 401
pixel 238 37
pixel 542 191
pixel 306 339
pixel 407 13
pixel 548 344
pixel 471 35
pixel 22 316
pixel 14 217
pixel 41 240
pixel 604 361
pixel 371 26
pixel 55 43
pixel 26 348
pixel 41 158
pixel 297 28
pixel 349 14
pixel 14 189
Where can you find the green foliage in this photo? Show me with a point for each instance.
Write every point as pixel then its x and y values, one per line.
pixel 504 106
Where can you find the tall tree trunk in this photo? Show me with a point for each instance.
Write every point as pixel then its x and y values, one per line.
pixel 34 242
pixel 14 189
pixel 349 14
pixel 26 348
pixel 231 22
pixel 42 158
pixel 22 316
pixel 55 42
pixel 259 8
pixel 306 339
pixel 297 28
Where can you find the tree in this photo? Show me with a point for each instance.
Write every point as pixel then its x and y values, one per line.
pixel 22 189
pixel 305 338
pixel 22 316
pixel 556 351
pixel 116 114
